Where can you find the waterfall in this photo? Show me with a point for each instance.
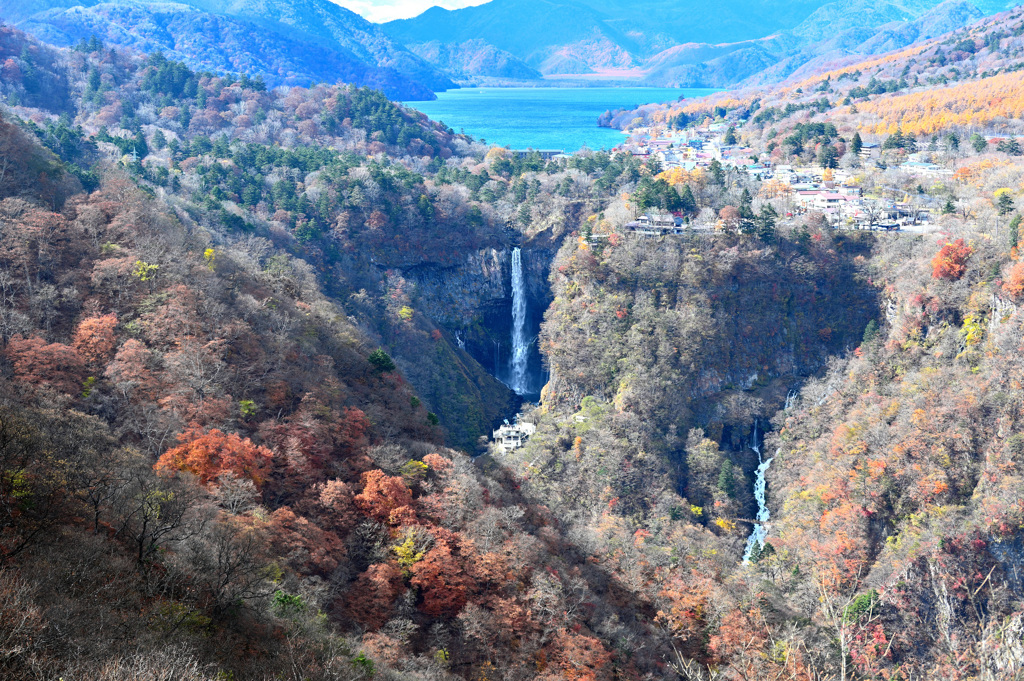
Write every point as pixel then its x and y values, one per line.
pixel 760 532
pixel 791 399
pixel 520 342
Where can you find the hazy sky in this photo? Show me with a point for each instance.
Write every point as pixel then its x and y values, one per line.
pixel 386 10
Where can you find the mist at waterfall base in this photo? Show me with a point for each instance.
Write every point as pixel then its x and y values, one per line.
pixel 760 532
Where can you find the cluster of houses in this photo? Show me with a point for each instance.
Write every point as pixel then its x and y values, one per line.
pixel 690 149
pixel 797 190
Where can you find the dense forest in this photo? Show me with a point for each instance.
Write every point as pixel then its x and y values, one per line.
pixel 245 348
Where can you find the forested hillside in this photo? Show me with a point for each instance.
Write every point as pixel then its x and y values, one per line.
pixel 247 349
pixel 285 43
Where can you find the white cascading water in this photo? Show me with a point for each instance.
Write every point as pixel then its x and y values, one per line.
pixel 520 343
pixel 760 532
pixel 791 399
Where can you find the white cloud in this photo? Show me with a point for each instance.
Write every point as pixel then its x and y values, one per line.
pixel 380 11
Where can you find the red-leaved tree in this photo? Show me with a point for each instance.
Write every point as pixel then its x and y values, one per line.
pixel 951 260
pixel 371 597
pixel 441 581
pixel 209 454
pixel 46 364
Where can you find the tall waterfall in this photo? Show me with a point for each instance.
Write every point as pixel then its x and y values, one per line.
pixel 760 533
pixel 520 342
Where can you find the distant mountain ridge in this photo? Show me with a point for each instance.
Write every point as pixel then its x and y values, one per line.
pixel 306 41
pixel 474 58
pixel 687 44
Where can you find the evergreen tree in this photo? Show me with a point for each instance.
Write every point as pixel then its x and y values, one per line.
pixel 764 224
pixel 727 479
pixel 746 209
pixel 949 208
pixel 870 332
pixel 856 144
pixel 94 80
pixel 688 201
pixel 828 157
pixel 381 361
pixel 730 136
pixel 717 172
pixel 979 143
pixel 897 140
pixel 1015 231
pixel 1011 147
pixel 1005 203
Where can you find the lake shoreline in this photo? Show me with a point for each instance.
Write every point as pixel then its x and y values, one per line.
pixel 555 118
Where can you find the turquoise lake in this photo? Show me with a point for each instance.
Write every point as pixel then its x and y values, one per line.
pixel 543 118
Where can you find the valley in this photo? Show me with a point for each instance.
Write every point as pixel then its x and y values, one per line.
pixel 259 334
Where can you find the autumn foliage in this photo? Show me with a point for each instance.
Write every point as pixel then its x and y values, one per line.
pixel 95 339
pixel 53 365
pixel 1014 283
pixel 441 581
pixel 383 497
pixel 951 260
pixel 207 455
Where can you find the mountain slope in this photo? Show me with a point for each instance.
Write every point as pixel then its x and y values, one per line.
pixel 529 29
pixel 694 44
pixel 305 43
pixel 473 58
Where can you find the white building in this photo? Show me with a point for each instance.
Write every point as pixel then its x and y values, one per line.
pixel 509 437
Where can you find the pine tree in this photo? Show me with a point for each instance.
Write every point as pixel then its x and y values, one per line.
pixel 856 144
pixel 717 172
pixel 1005 203
pixel 689 202
pixel 726 479
pixel 764 224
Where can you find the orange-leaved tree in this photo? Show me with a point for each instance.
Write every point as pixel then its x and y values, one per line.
pixel 382 495
pixel 95 340
pixel 210 454
pixel 951 260
pixel 1014 283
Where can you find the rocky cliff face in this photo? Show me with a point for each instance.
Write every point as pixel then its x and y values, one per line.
pixel 473 301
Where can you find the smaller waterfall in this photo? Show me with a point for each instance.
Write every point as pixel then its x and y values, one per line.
pixel 458 340
pixel 791 399
pixel 760 532
pixel 520 342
